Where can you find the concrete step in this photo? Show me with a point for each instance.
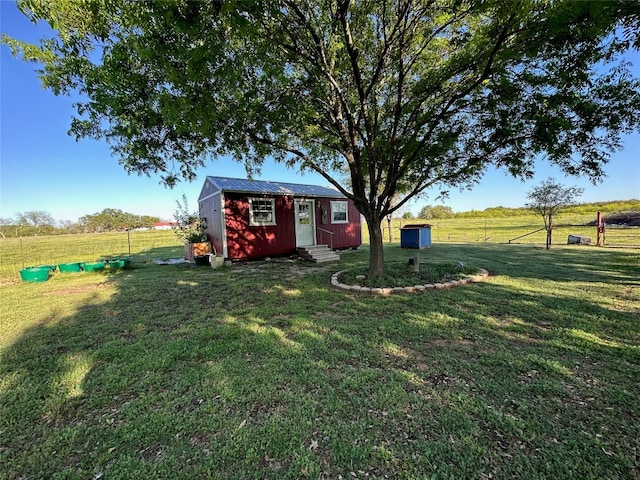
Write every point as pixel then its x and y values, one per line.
pixel 327 258
pixel 318 253
pixel 327 253
pixel 313 248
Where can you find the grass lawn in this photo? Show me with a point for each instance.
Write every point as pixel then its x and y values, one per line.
pixel 262 370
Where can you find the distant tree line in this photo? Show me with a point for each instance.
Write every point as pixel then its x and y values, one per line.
pixel 109 220
pixel 39 222
pixel 432 212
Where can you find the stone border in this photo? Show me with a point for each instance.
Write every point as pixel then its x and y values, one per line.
pixel 412 289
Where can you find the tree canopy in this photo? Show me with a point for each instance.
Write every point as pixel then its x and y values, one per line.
pixel 401 94
pixel 112 219
pixel 548 199
pixel 38 219
pixel 34 222
pixel 435 211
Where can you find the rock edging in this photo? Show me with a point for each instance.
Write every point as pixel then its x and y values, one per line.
pixel 411 289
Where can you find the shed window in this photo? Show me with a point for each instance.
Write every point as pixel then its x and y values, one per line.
pixel 339 212
pixel 262 211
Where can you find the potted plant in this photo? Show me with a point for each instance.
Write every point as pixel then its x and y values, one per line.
pixel 191 229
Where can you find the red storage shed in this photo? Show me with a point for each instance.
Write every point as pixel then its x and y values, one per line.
pixel 252 219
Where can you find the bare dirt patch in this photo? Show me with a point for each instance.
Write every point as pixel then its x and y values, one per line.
pixel 282 267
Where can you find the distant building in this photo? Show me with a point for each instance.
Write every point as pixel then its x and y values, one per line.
pixel 164 225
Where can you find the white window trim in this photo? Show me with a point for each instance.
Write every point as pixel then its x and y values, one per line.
pixel 260 223
pixel 346 211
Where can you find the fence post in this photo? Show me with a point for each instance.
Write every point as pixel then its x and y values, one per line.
pixel 600 229
pixel 21 252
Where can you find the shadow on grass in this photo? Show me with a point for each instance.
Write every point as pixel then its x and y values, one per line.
pixel 263 371
pixel 559 264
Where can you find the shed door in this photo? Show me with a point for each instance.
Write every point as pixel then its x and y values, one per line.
pixel 304 218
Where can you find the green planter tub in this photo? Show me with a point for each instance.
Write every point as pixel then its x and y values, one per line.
pixel 35 274
pixel 94 267
pixel 117 263
pixel 69 267
pixel 50 267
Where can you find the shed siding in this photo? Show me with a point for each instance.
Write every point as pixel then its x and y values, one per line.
pixel 246 241
pixel 211 209
pixel 345 235
pixel 207 190
pixel 228 229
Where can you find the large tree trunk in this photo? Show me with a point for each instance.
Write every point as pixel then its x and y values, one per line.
pixel 376 252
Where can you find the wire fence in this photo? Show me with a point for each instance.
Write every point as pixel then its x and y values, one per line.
pixel 16 253
pixel 515 230
pixel 621 236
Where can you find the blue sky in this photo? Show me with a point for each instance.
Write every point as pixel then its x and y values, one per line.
pixel 43 168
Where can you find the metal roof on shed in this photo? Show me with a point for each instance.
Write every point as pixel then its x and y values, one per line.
pixel 274 188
